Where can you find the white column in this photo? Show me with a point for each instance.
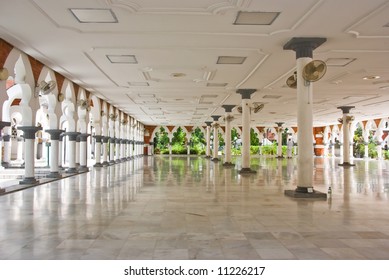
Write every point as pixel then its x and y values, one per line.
pixel 215 125
pixel 7 150
pixel 346 135
pixel 111 150
pixel 54 152
pixel 72 151
pixel 105 151
pixel 379 142
pixel 227 152
pixel 117 150
pixel 98 139
pixel 227 140
pixel 83 152
pixel 245 134
pixel 77 151
pixel 122 149
pixel 279 134
pixel 304 47
pixel 170 146
pixel 208 138
pixel 19 153
pixel 60 151
pixel 305 128
pixel 366 155
pixel 246 120
pixel 29 148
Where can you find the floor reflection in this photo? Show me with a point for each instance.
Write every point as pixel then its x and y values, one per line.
pixel 179 207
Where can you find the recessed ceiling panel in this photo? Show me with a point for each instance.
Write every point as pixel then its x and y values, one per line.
pixel 94 15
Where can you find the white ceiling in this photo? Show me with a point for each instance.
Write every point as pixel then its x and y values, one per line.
pixel 187 36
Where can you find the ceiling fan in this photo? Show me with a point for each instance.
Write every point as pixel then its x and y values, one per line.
pixel 292 80
pixel 4 74
pixel 44 88
pixel 348 119
pixel 314 71
pixel 84 104
pixel 256 107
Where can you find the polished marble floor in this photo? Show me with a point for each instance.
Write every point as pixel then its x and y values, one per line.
pixel 191 208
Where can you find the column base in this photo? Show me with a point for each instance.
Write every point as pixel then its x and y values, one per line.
pixel 215 159
pixel 247 171
pixel 2 190
pixel 29 181
pixel 111 162
pixel 118 161
pixel 280 157
pixel 83 169
pixel 105 163
pixel 346 164
pixel 305 192
pixel 5 164
pixel 228 164
pixel 98 164
pixel 54 175
pixel 61 168
pixel 208 157
pixel 71 170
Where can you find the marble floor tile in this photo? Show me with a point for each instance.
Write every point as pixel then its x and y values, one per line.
pixel 275 254
pixel 310 254
pixel 182 207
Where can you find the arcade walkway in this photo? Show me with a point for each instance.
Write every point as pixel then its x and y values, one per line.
pixel 191 208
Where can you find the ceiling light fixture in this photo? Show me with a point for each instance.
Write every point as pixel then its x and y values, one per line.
pixel 94 15
pixel 126 59
pixel 339 62
pixel 371 77
pixel 256 18
pixel 178 75
pixel 231 59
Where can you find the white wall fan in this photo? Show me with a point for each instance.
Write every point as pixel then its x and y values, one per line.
pixel 84 104
pixel 44 88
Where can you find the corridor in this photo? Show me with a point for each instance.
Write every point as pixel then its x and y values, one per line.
pixel 181 207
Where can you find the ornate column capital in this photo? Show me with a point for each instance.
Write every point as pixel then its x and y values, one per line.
pixel 98 138
pixel 83 137
pixel 4 124
pixel 208 123
pixel 54 133
pixel 228 108
pixel 72 135
pixel 346 109
pixel 215 118
pixel 246 93
pixel 29 131
pixel 304 46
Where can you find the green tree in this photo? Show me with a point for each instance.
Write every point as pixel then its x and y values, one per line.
pixel 254 141
pixel 161 140
pixel 179 137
